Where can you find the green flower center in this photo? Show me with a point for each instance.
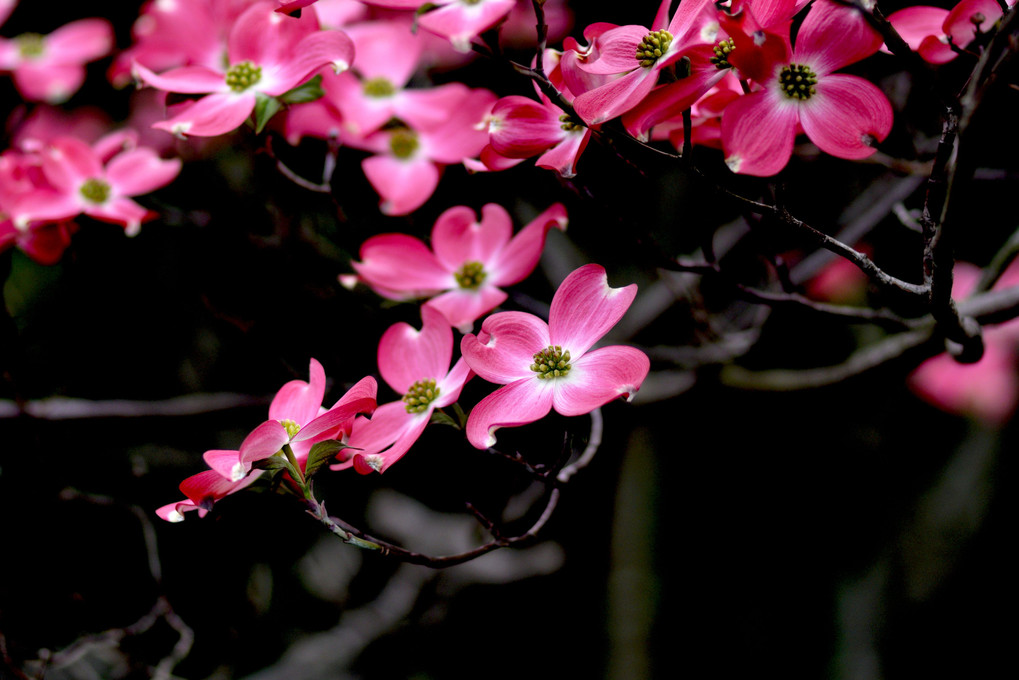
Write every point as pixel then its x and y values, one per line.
pixel 378 87
pixel 243 75
pixel 420 395
pixel 95 190
pixel 652 47
pixel 30 45
pixel 470 2
pixel 722 50
pixel 471 275
pixel 551 362
pixel 291 427
pixel 797 82
pixel 570 124
pixel 403 143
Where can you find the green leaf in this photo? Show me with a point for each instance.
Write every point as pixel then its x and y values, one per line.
pixel 320 454
pixel 265 108
pixel 440 417
pixel 460 415
pixel 308 92
pixel 274 462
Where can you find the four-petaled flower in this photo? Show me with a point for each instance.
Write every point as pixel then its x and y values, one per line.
pixel 552 366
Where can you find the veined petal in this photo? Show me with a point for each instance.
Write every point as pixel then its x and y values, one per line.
pixel 598 377
pixel 615 97
pixel 617 51
pixel 521 127
pixel 384 439
pixel 504 349
pixel 140 171
pixel 563 157
pixel 264 441
pixel 846 115
pixel 212 115
pixel 959 24
pixel 266 38
pixel 300 401
pixel 585 307
pixel 185 79
pixel 399 262
pixel 459 237
pixel 407 355
pixel 463 307
pixel 520 256
pixel 326 48
pixel 517 403
pixel 758 131
pixel 834 35
pixel 227 463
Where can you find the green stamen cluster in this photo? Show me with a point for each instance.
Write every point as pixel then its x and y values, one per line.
pixel 95 190
pixel 470 2
pixel 403 143
pixel 797 82
pixel 722 50
pixel 471 275
pixel 420 395
pixel 652 47
pixel 378 87
pixel 30 45
pixel 243 75
pixel 551 362
pixel 291 427
pixel 570 124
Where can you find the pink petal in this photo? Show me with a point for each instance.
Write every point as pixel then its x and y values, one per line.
pixel 598 377
pixel 212 115
pixel 122 211
pixel 758 131
pixel 264 441
pixel 934 51
pixel 459 22
pixel 80 41
pixel 521 128
pixel 563 157
pixel 615 97
pixel 916 23
pixel 834 35
pixel 207 487
pixel 402 263
pixel 388 435
pixel 266 38
pixel 463 134
pixel 326 48
pixel 504 349
pixel 403 185
pixel 140 171
pixel 585 307
pixel 69 162
pixel 387 50
pixel 186 79
pixel 617 51
pixel 845 114
pixel 518 403
pixel 300 401
pixel 518 259
pixel 51 83
pixel 463 307
pixel 453 383
pixel 961 28
pixel 458 237
pixel 407 355
pixel 429 108
pixel 226 463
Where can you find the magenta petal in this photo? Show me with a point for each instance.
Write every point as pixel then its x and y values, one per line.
pixel 266 38
pixel 916 23
pixel 264 441
pixel 69 162
pixel 399 262
pixel 227 463
pixel 585 307
pixel 426 109
pixel 122 211
pixel 212 115
pixel 459 22
pixel 504 349
pixel 518 403
pixel 80 41
pixel 453 383
pixel 463 307
pixel 598 377
pixel 407 355
pixel 404 186
pixel 300 401
pixel 521 127
pixel 563 157
pixel 617 51
pixel 615 97
pixel 758 131
pixel 186 79
pixel 140 171
pixel 845 115
pixel 834 35
pixel 326 48
pixel 520 256
pixel 385 438
pixel 458 237
pixel 208 487
pixel 386 49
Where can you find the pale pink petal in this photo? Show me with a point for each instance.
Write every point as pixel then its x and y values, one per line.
pixel 174 512
pixel 834 35
pixel 399 262
pixel 463 307
pixel 185 79
pixel 458 237
pixel 584 308
pixel 518 259
pixel 391 427
pixel 846 115
pixel 598 377
pixel 80 41
pixel 380 461
pixel 518 403
pixel 403 185
pixel 300 401
pixel 407 355
pixel 264 441
pixel 504 349
pixel 212 115
pixel 758 131
pixel 227 463
pixel 140 171
pixel 326 48
pixel 616 97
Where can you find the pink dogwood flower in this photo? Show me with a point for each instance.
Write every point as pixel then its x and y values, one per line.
pixel 459 21
pixel 552 366
pixel 51 68
pixel 842 114
pixel 415 364
pixel 471 260
pixel 268 54
pixel 932 31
